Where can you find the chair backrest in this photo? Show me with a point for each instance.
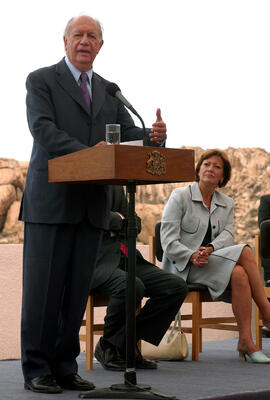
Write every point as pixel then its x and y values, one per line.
pixel 265 238
pixel 158 247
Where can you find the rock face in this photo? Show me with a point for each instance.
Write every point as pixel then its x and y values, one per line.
pixel 250 180
pixel 12 181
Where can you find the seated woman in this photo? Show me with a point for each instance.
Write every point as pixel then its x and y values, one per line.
pixel 197 239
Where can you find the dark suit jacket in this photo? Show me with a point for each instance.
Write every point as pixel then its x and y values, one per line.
pixel 110 255
pixel 264 214
pixel 60 123
pixel 264 209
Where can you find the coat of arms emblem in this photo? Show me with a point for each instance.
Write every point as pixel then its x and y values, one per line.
pixel 156 163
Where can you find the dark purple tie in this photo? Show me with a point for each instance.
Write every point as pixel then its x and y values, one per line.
pixel 83 86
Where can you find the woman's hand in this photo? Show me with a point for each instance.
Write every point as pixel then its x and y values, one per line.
pixel 200 257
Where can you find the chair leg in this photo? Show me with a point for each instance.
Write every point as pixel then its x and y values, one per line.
pixel 258 314
pixel 196 330
pixel 90 331
pixel 258 329
pixel 89 341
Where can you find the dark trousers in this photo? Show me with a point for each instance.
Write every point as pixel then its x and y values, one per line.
pixel 166 293
pixel 58 264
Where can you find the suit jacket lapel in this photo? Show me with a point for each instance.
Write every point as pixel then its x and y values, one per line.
pixel 68 83
pixel 98 94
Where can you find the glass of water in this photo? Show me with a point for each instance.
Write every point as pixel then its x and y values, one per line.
pixel 112 133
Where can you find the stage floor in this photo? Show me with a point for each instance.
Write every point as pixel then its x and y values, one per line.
pixel 220 372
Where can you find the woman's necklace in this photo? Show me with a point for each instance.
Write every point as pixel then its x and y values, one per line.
pixel 207 203
pixel 207 197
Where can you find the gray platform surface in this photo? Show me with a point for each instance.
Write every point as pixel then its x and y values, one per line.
pixel 219 372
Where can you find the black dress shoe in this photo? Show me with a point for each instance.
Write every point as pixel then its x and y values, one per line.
pixel 43 384
pixel 109 357
pixel 75 382
pixel 144 363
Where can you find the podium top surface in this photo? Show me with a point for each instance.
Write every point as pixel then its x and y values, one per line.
pixel 118 165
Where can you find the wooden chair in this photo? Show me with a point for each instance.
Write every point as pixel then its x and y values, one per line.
pixel 197 295
pixel 90 327
pixel 262 249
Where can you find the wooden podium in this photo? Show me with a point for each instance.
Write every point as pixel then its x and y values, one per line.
pixel 119 164
pixel 129 166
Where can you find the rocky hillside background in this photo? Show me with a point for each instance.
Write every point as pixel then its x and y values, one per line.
pixel 12 181
pixel 250 180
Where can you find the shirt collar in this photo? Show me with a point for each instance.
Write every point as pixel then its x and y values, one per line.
pixel 197 196
pixel 76 73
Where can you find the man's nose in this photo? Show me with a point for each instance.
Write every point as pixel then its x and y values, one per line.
pixel 84 39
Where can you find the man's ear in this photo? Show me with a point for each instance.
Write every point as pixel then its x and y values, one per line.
pixel 65 43
pixel 100 45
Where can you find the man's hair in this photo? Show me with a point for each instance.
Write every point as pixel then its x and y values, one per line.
pixel 226 164
pixel 67 28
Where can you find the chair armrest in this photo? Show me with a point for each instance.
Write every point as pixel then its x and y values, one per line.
pixel 152 249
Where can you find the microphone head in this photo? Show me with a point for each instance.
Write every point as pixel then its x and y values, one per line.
pixel 112 88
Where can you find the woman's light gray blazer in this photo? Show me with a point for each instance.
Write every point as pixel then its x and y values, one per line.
pixel 185 221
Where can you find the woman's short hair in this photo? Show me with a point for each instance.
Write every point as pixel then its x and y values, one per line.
pixel 226 164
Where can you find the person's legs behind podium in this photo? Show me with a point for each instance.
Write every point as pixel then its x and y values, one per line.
pixel 165 296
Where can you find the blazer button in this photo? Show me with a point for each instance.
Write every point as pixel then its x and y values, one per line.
pixel 173 262
pixel 214 226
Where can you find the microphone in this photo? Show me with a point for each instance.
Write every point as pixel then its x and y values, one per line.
pixel 114 90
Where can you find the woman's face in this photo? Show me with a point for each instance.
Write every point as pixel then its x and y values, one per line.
pixel 211 171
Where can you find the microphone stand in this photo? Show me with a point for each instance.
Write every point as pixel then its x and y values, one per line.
pixel 145 142
pixel 144 131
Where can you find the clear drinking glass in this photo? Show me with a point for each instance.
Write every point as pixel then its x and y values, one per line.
pixel 113 133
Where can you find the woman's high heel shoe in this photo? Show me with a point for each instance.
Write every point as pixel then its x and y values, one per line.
pixel 257 357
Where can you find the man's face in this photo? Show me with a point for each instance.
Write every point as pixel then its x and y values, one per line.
pixel 83 42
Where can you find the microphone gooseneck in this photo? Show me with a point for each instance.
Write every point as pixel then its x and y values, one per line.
pixel 114 90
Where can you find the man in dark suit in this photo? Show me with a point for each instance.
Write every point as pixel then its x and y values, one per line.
pixel 264 214
pixel 67 109
pixel 166 292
